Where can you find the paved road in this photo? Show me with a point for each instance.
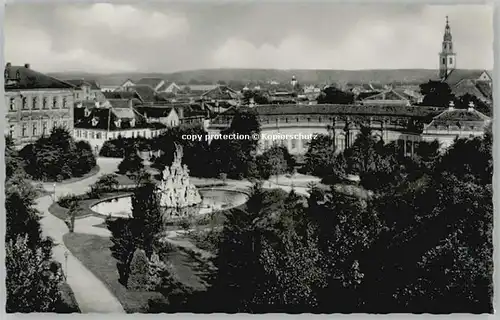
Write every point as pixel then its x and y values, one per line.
pixel 90 293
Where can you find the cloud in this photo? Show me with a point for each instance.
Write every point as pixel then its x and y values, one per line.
pixel 370 43
pixel 128 21
pixel 168 37
pixel 36 49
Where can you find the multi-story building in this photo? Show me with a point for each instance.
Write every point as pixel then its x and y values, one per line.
pixel 35 104
pixel 87 90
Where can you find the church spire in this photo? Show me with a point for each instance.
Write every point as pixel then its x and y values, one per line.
pixel 447 31
pixel 447 55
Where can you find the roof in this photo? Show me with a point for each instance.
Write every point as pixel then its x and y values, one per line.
pixel 121 95
pixel 387 95
pixel 146 93
pixel 119 103
pixel 459 117
pixel 166 85
pixel 20 77
pixel 470 87
pixel 347 109
pixel 485 89
pixel 200 87
pixel 456 75
pixel 155 112
pixel 123 113
pixel 221 93
pixel 81 82
pixel 152 82
pixel 102 118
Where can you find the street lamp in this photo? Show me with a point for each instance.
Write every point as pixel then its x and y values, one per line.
pixel 55 192
pixel 66 254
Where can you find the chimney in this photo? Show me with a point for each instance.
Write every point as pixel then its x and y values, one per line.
pixel 451 105
pixel 471 106
pixel 27 65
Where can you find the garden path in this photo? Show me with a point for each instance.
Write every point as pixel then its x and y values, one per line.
pixel 90 293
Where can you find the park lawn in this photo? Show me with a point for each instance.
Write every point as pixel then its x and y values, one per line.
pixel 62 212
pixel 93 251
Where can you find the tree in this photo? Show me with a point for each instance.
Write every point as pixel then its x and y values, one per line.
pixel 57 157
pixel 273 162
pixel 234 156
pixel 436 93
pixel 335 96
pixel 131 164
pixel 32 280
pixel 138 279
pixel 13 162
pixel 465 100
pixel 106 182
pixel 138 232
pixel 320 156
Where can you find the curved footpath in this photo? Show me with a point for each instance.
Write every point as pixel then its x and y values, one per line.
pixel 90 293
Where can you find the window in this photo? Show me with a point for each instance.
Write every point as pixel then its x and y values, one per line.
pixel 45 103
pixel 55 123
pixel 98 135
pixel 78 133
pixel 18 75
pixel 25 103
pixel 36 101
pixel 65 124
pixel 294 143
pixel 85 134
pixel 451 60
pixel 450 45
pixel 12 129
pixel 65 103
pixel 54 103
pixel 113 135
pixel 444 60
pixel 92 135
pixel 35 129
pixel 24 129
pixel 44 127
pixel 12 104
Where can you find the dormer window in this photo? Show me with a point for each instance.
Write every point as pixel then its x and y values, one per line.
pixel 18 75
pixel 6 74
pixel 132 123
pixel 118 123
pixel 95 121
pixel 86 112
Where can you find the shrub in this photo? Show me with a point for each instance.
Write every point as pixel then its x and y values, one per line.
pixel 66 201
pixel 139 277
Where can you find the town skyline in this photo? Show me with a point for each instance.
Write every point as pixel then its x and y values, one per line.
pixel 105 38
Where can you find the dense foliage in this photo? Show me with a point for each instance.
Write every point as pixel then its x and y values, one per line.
pixel 33 279
pixel 421 242
pixel 57 157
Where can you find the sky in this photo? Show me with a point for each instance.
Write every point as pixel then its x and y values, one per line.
pixel 169 37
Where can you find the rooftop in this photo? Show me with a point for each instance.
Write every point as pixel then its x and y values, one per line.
pixel 81 82
pixel 415 111
pixel 23 77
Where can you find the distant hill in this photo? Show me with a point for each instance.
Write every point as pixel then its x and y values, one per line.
pixel 384 76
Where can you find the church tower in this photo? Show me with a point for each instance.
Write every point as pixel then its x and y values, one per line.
pixel 446 56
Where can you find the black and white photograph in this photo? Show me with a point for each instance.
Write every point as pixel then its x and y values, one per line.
pixel 248 157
